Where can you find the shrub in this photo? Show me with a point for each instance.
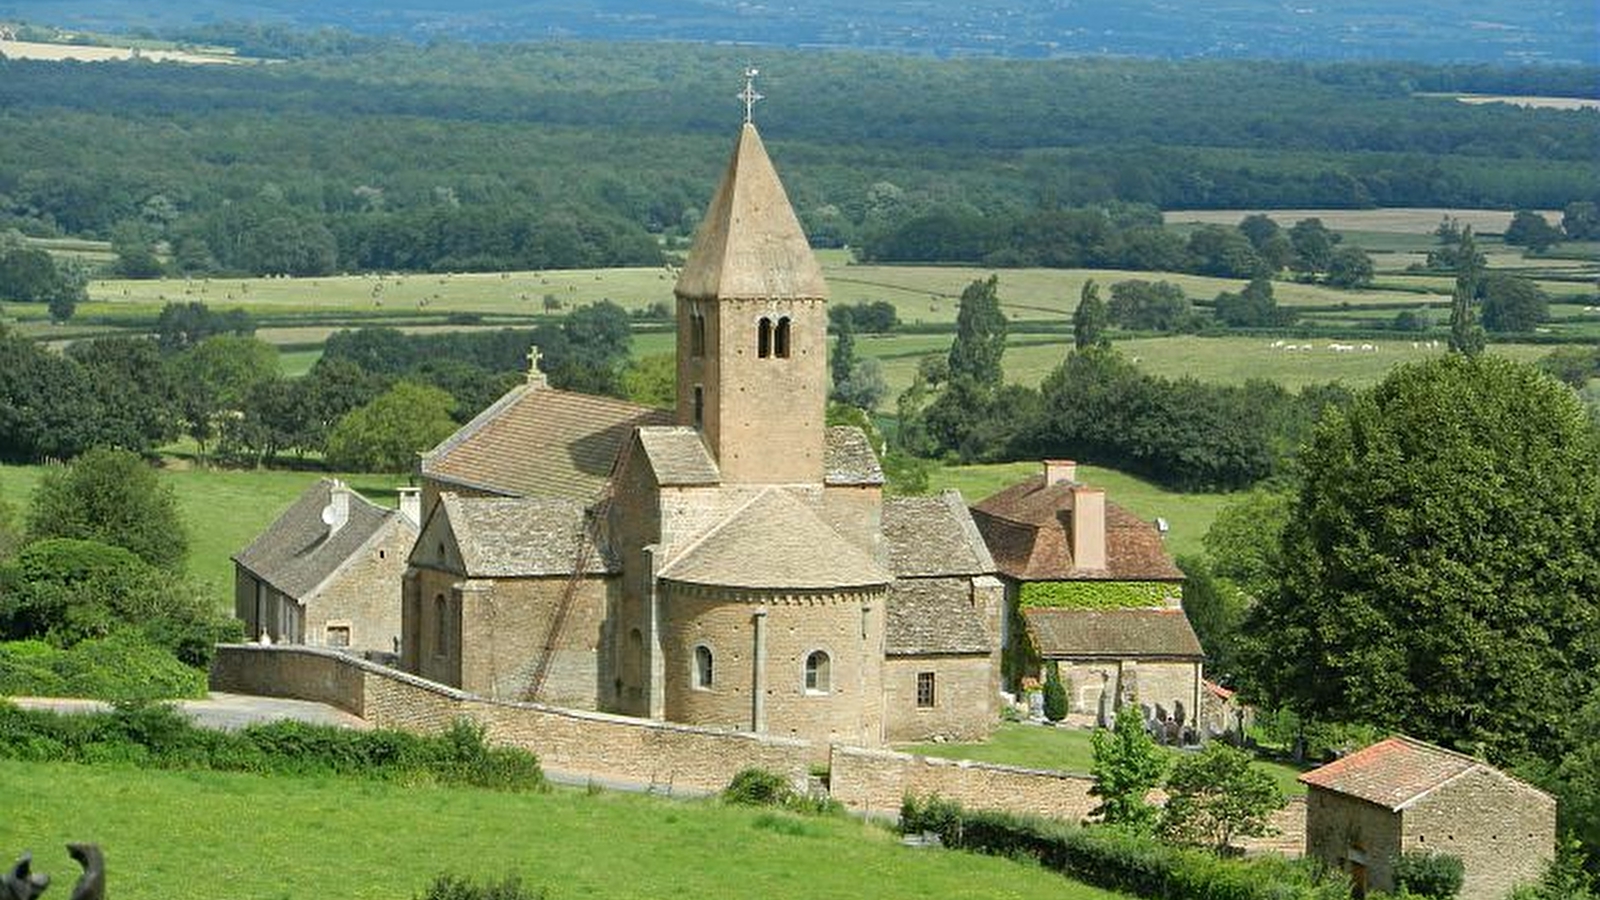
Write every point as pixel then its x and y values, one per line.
pixel 1436 875
pixel 1121 860
pixel 1055 695
pixel 161 737
pixel 453 887
pixel 125 666
pixel 1215 796
pixel 758 787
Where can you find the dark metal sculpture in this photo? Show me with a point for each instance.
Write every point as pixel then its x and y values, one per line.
pixel 22 883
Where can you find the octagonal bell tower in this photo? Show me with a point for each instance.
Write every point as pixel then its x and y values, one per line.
pixel 752 330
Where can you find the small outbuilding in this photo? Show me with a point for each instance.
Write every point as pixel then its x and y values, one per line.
pixel 1402 795
pixel 327 571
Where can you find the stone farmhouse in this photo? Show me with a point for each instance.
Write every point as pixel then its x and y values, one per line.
pixel 327 571
pixel 1402 795
pixel 733 562
pixel 1092 590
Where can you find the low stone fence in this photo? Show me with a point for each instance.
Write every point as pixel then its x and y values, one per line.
pixel 576 742
pixel 875 781
pixel 664 755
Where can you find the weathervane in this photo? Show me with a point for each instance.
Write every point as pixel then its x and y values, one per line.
pixel 749 95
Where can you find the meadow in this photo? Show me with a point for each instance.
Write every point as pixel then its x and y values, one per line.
pixel 200 835
pixel 1065 749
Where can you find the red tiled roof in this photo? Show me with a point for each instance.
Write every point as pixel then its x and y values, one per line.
pixel 539 442
pixel 1393 773
pixel 1028 528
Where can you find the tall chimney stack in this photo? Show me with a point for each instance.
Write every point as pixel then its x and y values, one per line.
pixel 1057 471
pixel 1088 528
pixel 411 504
pixel 337 512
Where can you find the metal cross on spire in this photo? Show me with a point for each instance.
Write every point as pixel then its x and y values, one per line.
pixel 749 95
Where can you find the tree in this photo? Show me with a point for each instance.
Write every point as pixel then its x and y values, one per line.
pixel 1438 568
pixel 1466 335
pixel 130 372
pixel 652 380
pixel 1313 245
pixel 1259 228
pixel 1513 303
pixel 1580 221
pixel 1225 253
pixel 980 339
pixel 1350 267
pixel 1127 767
pixel 387 434
pixel 114 497
pixel 843 358
pixel 1244 539
pixel 1215 796
pixel 1055 694
pixel 1253 307
pixel 1216 609
pixel 1148 306
pixel 1090 319
pixel 1573 366
pixel 1532 230
pixel 215 377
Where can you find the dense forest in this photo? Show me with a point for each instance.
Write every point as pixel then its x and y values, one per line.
pixel 377 154
pixel 1516 31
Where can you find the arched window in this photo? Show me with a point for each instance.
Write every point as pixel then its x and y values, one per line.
pixel 441 625
pixel 819 675
pixel 780 342
pixel 764 338
pixel 704 672
pixel 697 334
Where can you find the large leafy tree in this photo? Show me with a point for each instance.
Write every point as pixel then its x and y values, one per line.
pixel 387 434
pixel 980 335
pixel 1511 303
pixel 116 498
pixel 1090 319
pixel 1438 571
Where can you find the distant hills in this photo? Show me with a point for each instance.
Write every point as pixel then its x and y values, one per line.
pixel 1487 31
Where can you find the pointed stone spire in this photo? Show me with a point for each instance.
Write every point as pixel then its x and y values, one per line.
pixel 750 245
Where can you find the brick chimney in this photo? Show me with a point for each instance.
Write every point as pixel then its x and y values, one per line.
pixel 411 504
pixel 1088 527
pixel 1057 471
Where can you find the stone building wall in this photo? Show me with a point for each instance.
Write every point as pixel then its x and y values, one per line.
pixel 1349 835
pixel 1503 831
pixel 364 596
pixel 965 695
pixel 1166 683
pixel 848 627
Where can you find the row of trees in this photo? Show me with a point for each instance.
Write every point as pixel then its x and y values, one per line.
pixel 1098 406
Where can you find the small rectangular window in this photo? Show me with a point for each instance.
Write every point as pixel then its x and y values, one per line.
pixel 924 690
pixel 699 406
pixel 338 635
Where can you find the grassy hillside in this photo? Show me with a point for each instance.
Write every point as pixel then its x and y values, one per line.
pixel 202 835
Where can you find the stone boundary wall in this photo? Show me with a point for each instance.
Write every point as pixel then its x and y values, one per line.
pixel 663 755
pixel 667 756
pixel 875 781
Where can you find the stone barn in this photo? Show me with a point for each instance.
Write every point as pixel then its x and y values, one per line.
pixel 327 572
pixel 1402 795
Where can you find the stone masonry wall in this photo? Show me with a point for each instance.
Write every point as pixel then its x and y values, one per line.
pixel 875 781
pixel 1503 831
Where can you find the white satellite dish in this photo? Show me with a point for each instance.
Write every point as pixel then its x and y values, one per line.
pixel 328 515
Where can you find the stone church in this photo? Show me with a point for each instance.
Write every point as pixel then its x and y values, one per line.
pixel 732 563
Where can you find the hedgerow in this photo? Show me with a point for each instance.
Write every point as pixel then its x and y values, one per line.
pixel 155 736
pixel 1119 860
pixel 123 666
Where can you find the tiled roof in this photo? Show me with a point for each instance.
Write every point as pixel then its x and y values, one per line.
pixel 538 441
pixel 296 553
pixel 1112 633
pixel 933 536
pixel 1028 528
pixel 847 457
pixel 1397 772
pixel 750 244
pixel 678 456
pixel 521 537
pixel 934 616
pixel 772 542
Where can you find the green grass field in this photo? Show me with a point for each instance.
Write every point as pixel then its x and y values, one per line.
pixel 1066 749
pixel 224 509
pixel 203 835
